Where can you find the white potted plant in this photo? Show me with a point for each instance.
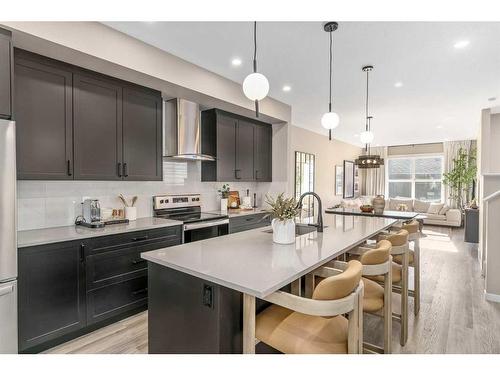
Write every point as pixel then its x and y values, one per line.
pixel 283 212
pixel 224 195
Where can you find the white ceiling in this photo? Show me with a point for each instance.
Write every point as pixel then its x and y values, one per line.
pixel 443 90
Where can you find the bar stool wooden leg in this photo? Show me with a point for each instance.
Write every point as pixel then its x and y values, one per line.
pixel 388 311
pixel 248 324
pixel 309 285
pixel 296 287
pixel 404 300
pixel 416 276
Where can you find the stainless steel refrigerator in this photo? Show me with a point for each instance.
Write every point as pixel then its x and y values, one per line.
pixel 8 238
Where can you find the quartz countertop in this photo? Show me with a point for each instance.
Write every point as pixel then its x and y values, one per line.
pixel 73 232
pixel 251 263
pixel 239 212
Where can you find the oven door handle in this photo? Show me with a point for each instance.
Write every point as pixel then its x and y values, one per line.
pixel 205 224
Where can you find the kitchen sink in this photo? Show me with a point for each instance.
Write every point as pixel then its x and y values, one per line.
pixel 300 229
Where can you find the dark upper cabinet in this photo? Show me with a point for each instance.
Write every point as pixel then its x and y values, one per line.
pixel 142 135
pixel 51 292
pixel 76 124
pixel 244 151
pixel 263 146
pixel 44 122
pixel 234 141
pixel 5 74
pixel 97 116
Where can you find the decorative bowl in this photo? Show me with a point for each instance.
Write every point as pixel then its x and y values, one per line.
pixel 366 208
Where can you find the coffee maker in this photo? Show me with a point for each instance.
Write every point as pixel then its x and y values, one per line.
pixel 91 214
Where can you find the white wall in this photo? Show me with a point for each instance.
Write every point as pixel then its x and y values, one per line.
pixel 327 155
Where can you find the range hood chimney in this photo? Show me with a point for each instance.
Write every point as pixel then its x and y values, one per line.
pixel 182 131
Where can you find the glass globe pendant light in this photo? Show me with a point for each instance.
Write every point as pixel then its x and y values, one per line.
pixel 330 120
pixel 255 85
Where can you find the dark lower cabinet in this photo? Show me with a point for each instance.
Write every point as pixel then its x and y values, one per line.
pixel 5 74
pixel 247 222
pixel 142 135
pixel 44 121
pixel 51 292
pixel 97 128
pixel 71 288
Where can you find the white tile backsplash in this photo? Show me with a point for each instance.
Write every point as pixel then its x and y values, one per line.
pixel 43 204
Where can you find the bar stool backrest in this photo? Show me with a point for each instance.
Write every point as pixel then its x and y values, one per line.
pixel 378 255
pixel 341 285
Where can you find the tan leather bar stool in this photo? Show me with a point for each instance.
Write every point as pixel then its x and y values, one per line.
pixel 377 261
pixel 296 324
pixel 399 241
pixel 413 260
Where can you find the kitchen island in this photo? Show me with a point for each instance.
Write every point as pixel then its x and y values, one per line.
pixel 203 295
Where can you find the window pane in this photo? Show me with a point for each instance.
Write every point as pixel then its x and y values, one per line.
pixel 399 189
pixel 428 191
pixel 428 168
pixel 399 169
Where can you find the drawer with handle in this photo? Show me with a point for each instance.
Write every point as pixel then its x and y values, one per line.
pixel 114 299
pixel 247 222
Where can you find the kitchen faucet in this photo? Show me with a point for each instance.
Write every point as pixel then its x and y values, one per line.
pixel 319 225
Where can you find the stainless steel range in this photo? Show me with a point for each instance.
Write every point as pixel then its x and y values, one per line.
pixel 198 225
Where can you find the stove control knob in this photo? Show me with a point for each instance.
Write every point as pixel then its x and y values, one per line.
pixel 193 199
pixel 161 201
pixel 197 199
pixel 166 200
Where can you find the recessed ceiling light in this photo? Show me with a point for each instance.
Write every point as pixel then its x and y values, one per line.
pixel 439 127
pixel 461 44
pixel 398 84
pixel 236 61
pixel 286 88
pixel 356 135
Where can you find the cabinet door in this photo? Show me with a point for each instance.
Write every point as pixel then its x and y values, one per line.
pixel 97 128
pixel 226 148
pixel 244 151
pixel 44 101
pixel 51 292
pixel 142 153
pixel 5 75
pixel 263 152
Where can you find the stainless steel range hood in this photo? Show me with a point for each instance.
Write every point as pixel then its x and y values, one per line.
pixel 182 131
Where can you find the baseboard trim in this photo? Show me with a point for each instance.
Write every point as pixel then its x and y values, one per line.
pixel 492 297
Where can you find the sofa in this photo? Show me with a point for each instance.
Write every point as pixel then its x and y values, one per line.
pixel 436 213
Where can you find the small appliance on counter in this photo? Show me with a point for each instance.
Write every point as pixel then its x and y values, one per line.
pixel 91 215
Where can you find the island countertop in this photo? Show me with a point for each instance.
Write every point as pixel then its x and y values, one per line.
pixel 251 263
pixel 44 236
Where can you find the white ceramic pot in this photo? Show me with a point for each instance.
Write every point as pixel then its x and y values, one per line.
pixel 131 213
pixel 223 205
pixel 283 231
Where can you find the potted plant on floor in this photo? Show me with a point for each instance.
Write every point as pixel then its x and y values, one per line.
pixel 462 177
pixel 283 212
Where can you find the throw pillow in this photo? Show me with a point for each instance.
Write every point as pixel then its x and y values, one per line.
pixel 395 202
pixel 421 206
pixel 434 208
pixel 444 210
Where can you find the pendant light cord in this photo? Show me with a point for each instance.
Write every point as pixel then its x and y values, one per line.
pixel 331 71
pixel 255 47
pixel 367 125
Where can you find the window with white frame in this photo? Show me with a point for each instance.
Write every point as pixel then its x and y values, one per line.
pixel 418 177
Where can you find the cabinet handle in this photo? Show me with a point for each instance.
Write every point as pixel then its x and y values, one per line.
pixel 140 291
pixel 82 252
pixel 138 261
pixel 256 174
pixel 125 172
pixel 69 167
pixel 139 238
pixel 119 169
pixel 236 171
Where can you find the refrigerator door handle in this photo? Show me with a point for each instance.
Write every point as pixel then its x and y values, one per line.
pixel 6 290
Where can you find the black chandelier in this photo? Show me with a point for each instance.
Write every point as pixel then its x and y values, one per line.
pixel 368 161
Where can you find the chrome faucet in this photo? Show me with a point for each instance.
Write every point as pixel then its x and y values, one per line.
pixel 320 208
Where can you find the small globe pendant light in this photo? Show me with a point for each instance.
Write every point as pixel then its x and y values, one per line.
pixel 330 120
pixel 255 85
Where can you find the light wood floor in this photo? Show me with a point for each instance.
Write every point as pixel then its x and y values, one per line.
pixel 454 316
